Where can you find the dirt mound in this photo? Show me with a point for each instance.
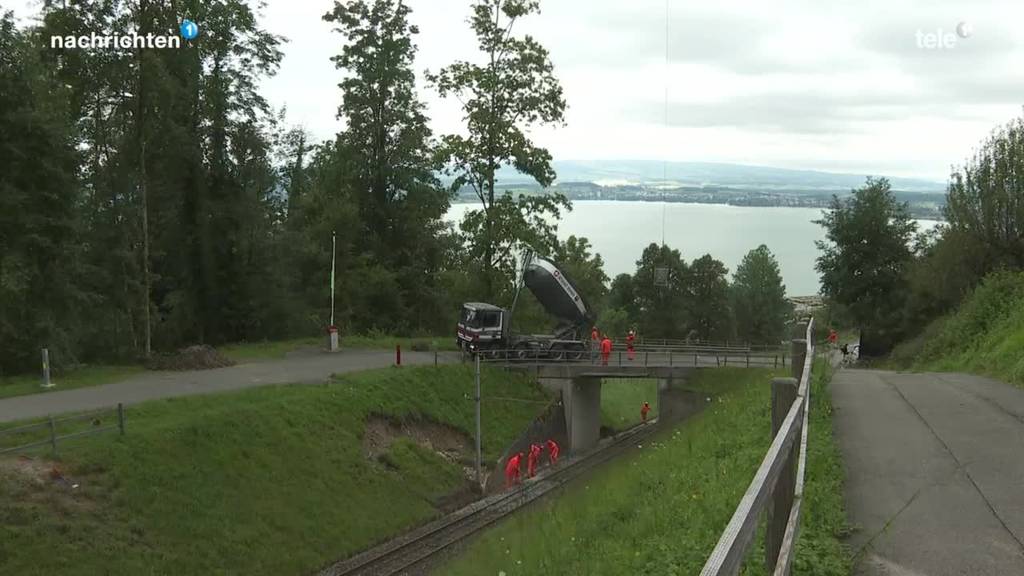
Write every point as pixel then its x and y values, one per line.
pixel 199 357
pixel 450 443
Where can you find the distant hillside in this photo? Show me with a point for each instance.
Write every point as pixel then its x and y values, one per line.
pixel 634 172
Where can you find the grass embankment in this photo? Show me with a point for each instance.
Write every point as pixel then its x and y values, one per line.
pixel 662 509
pixel 985 335
pixel 270 480
pixel 77 378
pixel 621 399
pixel 280 348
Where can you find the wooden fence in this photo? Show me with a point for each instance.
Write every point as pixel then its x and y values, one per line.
pixel 778 485
pixel 47 432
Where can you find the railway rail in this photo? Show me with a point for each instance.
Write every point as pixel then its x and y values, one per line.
pixel 416 548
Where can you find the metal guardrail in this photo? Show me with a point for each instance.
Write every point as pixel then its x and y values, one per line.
pixel 778 485
pixel 48 429
pixel 638 358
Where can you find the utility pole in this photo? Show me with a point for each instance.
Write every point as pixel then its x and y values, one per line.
pixel 334 256
pixel 478 455
pixel 332 329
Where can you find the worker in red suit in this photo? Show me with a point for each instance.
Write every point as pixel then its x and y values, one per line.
pixel 630 342
pixel 552 452
pixel 644 410
pixel 606 350
pixel 832 337
pixel 595 342
pixel 512 469
pixel 532 459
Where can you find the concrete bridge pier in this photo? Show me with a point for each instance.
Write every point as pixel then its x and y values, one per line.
pixel 581 398
pixel 580 388
pixel 666 406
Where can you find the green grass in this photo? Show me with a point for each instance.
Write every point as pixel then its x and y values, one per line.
pixel 269 480
pixel 662 509
pixel 78 378
pixel 243 351
pixel 823 527
pixel 984 336
pixel 621 399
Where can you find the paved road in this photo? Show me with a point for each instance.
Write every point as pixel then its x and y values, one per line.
pixel 300 368
pixel 934 472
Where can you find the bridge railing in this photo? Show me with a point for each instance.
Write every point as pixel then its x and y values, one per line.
pixel 639 357
pixel 777 487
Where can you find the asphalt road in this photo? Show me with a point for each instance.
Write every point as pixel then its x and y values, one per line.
pixel 934 472
pixel 313 367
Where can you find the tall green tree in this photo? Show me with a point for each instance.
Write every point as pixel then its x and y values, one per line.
pixel 391 162
pixel 864 258
pixel 663 308
pixel 515 88
pixel 985 201
pixel 621 295
pixel 759 298
pixel 39 242
pixel 708 295
pixel 586 268
pixel 516 224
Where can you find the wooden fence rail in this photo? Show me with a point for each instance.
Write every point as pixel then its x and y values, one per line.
pixel 777 487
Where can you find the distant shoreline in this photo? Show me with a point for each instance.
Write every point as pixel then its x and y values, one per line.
pixel 809 206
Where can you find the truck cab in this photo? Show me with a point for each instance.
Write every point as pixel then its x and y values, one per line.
pixel 482 326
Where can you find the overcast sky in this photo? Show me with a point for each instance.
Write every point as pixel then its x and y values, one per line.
pixel 849 86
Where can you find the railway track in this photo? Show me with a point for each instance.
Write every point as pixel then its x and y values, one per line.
pixel 405 553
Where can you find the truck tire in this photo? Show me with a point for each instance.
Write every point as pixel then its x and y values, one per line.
pixel 522 352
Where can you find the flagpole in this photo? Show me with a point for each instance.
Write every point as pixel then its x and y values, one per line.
pixel 334 255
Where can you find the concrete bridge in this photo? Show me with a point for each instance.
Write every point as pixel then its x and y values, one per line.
pixel 579 381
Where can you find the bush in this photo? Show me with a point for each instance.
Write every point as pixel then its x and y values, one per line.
pixel 992 303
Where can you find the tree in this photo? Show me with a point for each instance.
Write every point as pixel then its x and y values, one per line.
pixel 586 269
pixel 759 298
pixel 391 163
pixel 708 296
pixel 622 296
pixel 514 89
pixel 663 309
pixel 516 224
pixel 985 200
pixel 864 258
pixel 39 245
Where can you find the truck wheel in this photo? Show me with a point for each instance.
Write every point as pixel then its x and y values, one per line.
pixel 521 352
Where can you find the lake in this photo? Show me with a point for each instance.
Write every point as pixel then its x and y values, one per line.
pixel 619 232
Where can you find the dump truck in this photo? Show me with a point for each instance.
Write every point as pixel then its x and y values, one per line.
pixel 486 328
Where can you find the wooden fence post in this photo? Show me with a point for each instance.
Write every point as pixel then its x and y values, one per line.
pixel 53 437
pixel 799 354
pixel 783 395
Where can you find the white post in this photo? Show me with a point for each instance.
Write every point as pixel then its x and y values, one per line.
pixel 46 369
pixel 478 451
pixel 334 253
pixel 333 347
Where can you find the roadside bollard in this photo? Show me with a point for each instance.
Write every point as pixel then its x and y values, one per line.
pixel 46 369
pixel 398 354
